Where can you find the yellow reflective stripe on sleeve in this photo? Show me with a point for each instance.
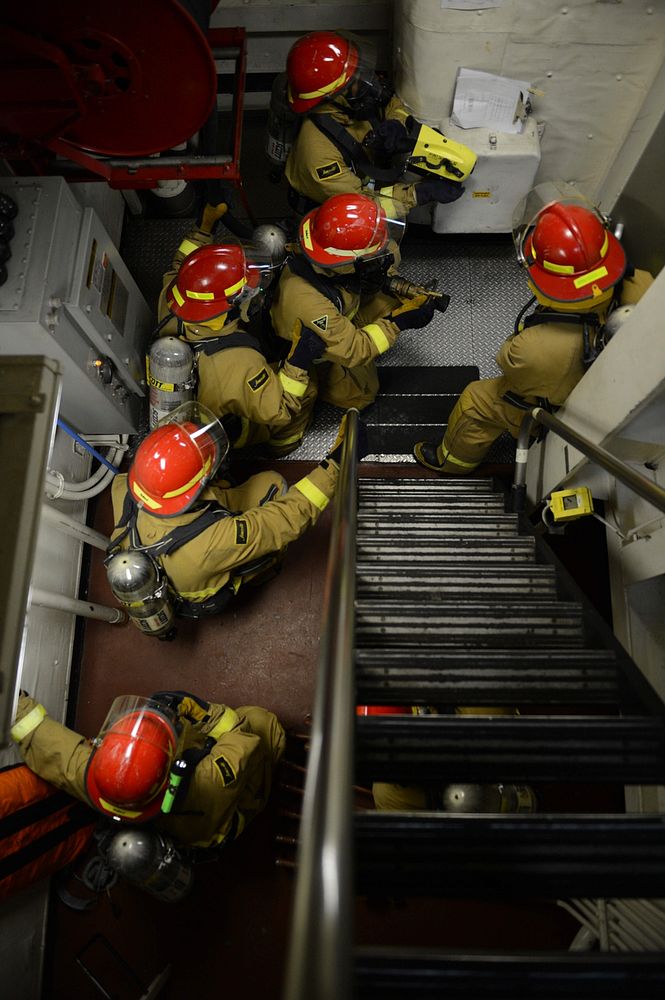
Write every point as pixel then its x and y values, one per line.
pixel 225 724
pixel 588 279
pixel 387 192
pixel 241 440
pixel 25 726
pixel 292 385
pixel 187 246
pixel 378 336
pixel 312 493
pixel 289 439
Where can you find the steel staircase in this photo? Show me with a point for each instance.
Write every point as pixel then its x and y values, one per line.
pixel 458 603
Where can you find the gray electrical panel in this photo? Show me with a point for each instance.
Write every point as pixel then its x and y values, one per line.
pixel 68 296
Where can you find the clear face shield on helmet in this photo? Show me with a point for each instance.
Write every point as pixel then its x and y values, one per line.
pixel 354 235
pixel 367 91
pixel 204 431
pixel 540 197
pixel 261 269
pixel 128 714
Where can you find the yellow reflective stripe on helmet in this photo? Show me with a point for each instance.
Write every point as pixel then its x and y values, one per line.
pixel 225 724
pixel 109 807
pixel 328 89
pixel 558 268
pixel 192 482
pixel 307 234
pixel 334 252
pixel 25 726
pixel 588 279
pixel 177 296
pixel 312 493
pixel 203 296
pixel 145 498
pixel 378 336
pixel 187 247
pixel 235 288
pixel 603 249
pixel 292 385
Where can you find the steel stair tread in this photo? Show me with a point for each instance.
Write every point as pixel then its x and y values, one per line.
pixel 580 748
pixel 439 854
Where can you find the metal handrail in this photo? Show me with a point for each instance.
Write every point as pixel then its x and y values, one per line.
pixel 633 480
pixel 320 960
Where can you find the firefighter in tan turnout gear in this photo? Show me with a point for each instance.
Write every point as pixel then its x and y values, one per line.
pixel 332 286
pixel 206 537
pixel 577 272
pixel 355 130
pixel 209 291
pixel 196 770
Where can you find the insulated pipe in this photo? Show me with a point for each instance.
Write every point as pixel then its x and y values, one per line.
pixel 58 602
pixel 70 526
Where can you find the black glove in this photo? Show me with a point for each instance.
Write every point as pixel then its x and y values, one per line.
pixel 414 314
pixel 306 348
pixel 335 452
pixel 390 137
pixel 438 189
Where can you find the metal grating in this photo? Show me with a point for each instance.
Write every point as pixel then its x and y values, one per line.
pixel 480 274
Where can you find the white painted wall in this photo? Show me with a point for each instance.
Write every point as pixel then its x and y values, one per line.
pixel 593 60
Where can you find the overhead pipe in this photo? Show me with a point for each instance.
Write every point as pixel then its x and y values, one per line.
pixel 70 526
pixel 86 609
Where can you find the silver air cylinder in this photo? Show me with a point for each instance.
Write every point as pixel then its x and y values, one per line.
pixel 615 321
pixel 136 583
pixel 489 799
pixel 282 128
pixel 170 376
pixel 149 860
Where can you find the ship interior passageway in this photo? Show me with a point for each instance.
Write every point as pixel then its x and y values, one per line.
pixel 231 932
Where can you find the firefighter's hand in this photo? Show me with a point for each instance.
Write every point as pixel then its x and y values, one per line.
pixel 210 216
pixel 307 347
pixel 335 453
pixel 438 189
pixel 184 704
pixel 414 313
pixel 389 137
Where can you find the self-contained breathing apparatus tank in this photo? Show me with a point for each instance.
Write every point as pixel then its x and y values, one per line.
pixel 497 798
pixel 282 128
pixel 171 376
pixel 141 588
pixel 151 861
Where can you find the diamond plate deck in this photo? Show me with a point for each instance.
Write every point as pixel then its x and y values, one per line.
pixel 486 287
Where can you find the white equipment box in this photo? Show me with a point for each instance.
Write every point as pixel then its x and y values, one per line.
pixel 504 173
pixel 68 296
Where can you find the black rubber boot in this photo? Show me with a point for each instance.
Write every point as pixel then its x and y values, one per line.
pixel 424 453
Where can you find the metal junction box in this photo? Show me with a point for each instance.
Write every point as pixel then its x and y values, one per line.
pixel 68 296
pixel 504 174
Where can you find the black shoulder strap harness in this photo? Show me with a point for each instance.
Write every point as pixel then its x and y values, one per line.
pixel 301 267
pixel 213 345
pixel 353 153
pixel 210 514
